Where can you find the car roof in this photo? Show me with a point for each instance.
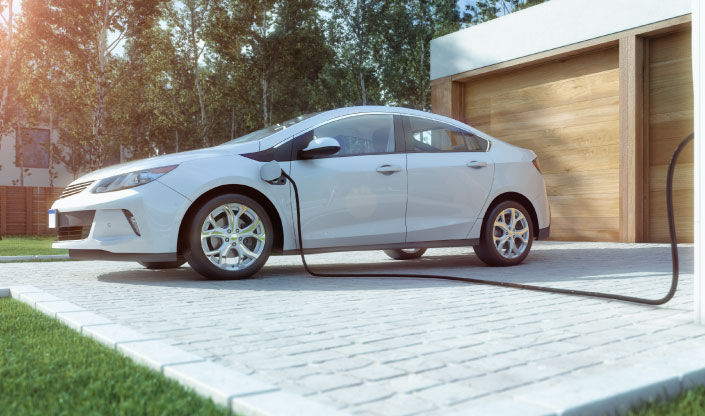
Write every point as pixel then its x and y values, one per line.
pixel 325 116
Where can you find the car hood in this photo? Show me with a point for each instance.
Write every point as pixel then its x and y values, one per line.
pixel 166 160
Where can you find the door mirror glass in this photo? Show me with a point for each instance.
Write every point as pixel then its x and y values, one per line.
pixel 320 147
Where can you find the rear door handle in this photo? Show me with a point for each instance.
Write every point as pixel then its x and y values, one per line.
pixel 388 169
pixel 476 164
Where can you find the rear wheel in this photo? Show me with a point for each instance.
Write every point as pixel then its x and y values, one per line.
pixel 506 236
pixel 160 265
pixel 405 253
pixel 230 237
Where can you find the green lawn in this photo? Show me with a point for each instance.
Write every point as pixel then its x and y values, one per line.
pixel 688 403
pixel 28 245
pixel 46 368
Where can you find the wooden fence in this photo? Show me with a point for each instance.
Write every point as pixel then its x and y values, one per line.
pixel 23 209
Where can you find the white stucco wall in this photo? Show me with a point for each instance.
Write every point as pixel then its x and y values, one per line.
pixel 36 177
pixel 546 26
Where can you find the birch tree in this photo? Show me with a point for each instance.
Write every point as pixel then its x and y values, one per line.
pixel 188 18
pixel 7 52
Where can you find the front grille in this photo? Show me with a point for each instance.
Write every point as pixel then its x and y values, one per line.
pixel 74 233
pixel 75 188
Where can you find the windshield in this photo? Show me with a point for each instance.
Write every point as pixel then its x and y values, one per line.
pixel 267 131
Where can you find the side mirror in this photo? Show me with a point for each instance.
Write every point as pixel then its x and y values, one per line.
pixel 321 147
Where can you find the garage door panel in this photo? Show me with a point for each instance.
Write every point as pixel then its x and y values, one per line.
pixel 575 114
pixel 556 94
pixel 670 119
pixel 671 126
pixel 573 67
pixel 583 160
pixel 677 98
pixel 585 229
pixel 583 206
pixel 671 47
pixel 567 112
pixel 671 73
pixel 605 182
pixel 682 177
pixel 662 150
pixel 568 138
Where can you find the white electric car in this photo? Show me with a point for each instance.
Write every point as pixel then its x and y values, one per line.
pixel 370 178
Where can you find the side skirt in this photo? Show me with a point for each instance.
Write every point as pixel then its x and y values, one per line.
pixel 418 244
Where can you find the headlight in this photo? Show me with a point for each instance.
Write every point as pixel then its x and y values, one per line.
pixel 131 179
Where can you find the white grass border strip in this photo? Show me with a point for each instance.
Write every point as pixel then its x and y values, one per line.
pixel 35 257
pixel 238 392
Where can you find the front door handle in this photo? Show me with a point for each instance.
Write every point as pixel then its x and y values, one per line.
pixel 388 169
pixel 476 164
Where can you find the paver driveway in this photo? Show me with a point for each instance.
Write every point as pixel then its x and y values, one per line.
pixel 405 346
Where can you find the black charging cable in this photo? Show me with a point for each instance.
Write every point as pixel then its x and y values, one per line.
pixel 661 301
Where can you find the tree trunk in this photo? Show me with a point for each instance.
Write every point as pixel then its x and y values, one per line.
pixel 51 130
pixel 99 110
pixel 422 70
pixel 6 75
pixel 176 140
pixel 232 123
pixel 197 78
pixel 362 87
pixel 202 104
pixel 264 102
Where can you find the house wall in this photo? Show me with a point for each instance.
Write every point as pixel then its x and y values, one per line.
pixel 10 174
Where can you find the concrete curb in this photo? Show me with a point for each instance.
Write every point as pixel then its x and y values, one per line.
pixel 35 257
pixel 240 393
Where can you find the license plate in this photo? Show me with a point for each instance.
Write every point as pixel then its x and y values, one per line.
pixel 52 218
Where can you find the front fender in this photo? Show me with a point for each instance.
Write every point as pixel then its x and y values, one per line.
pixel 195 178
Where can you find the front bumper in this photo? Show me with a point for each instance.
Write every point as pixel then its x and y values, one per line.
pixel 157 210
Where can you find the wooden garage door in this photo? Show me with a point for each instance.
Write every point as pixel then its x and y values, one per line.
pixel 567 112
pixel 670 103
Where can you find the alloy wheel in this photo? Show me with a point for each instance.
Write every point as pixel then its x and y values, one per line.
pixel 233 236
pixel 511 233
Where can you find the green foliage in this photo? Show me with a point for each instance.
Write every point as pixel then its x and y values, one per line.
pixel 484 10
pixel 690 402
pixel 158 76
pixel 47 368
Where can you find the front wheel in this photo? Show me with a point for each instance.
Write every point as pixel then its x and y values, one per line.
pixel 506 236
pixel 405 253
pixel 230 237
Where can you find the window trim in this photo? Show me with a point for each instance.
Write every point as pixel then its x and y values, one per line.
pixel 398 147
pixel 410 145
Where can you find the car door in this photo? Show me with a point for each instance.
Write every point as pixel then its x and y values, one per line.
pixel 450 177
pixel 356 197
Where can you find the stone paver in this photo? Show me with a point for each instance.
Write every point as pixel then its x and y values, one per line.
pixel 412 346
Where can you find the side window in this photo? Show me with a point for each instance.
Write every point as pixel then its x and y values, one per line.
pixel 425 135
pixel 357 135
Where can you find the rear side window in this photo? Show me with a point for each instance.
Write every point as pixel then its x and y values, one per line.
pixel 423 135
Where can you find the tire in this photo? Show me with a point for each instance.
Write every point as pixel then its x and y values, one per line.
pixel 405 253
pixel 521 233
pixel 161 265
pixel 228 252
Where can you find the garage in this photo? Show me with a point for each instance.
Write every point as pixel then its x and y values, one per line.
pixel 602 109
